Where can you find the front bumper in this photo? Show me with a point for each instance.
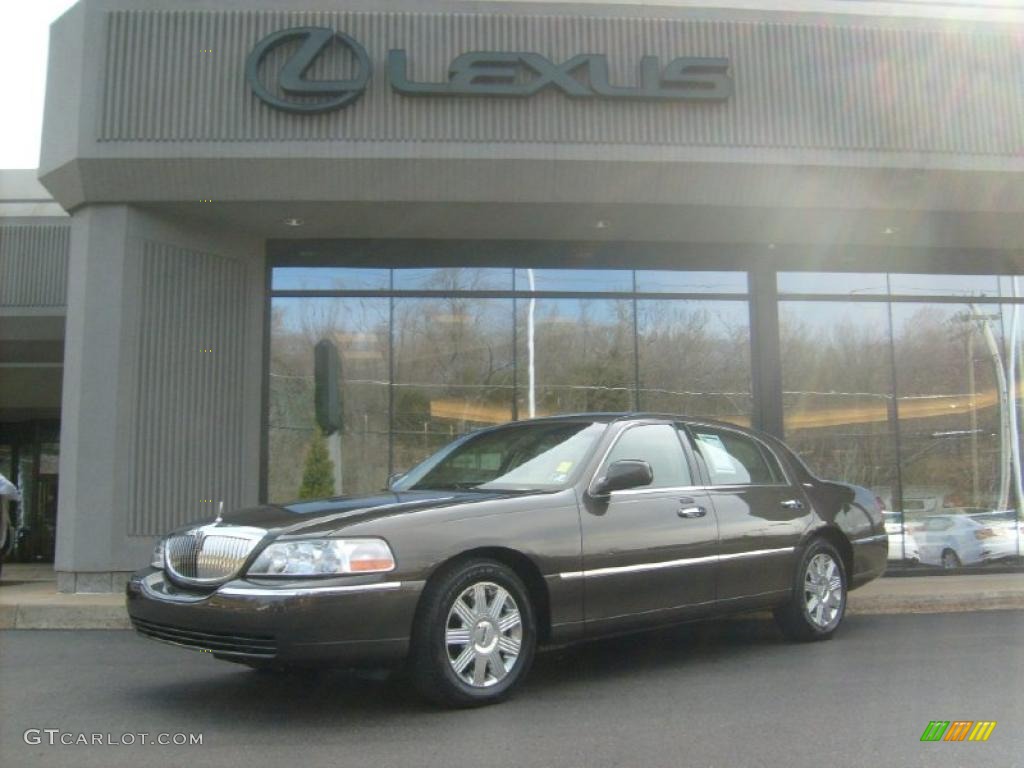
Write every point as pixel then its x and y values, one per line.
pixel 349 620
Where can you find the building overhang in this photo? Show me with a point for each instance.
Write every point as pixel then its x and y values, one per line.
pixel 862 128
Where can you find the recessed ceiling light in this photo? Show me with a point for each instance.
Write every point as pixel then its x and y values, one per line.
pixel 292 222
pixel 600 224
pixel 890 231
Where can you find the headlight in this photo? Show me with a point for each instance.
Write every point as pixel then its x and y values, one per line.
pixel 315 557
pixel 157 561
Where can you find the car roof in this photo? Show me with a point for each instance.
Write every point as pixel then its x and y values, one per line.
pixel 613 416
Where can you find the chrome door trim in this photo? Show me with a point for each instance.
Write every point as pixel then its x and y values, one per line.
pixel 734 486
pixel 686 561
pixel 756 553
pixel 667 489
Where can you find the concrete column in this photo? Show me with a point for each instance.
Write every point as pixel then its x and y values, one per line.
pixel 161 401
pixel 90 514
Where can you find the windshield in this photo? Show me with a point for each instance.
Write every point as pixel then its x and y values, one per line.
pixel 518 457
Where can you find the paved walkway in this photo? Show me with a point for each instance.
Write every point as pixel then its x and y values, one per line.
pixel 29 598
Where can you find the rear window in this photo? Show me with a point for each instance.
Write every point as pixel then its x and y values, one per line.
pixel 735 459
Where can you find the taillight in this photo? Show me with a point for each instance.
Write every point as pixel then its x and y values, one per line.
pixel 880 503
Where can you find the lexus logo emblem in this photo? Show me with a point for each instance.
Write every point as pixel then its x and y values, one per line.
pixel 317 95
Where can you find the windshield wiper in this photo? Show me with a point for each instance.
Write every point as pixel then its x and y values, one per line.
pixel 450 487
pixel 467 486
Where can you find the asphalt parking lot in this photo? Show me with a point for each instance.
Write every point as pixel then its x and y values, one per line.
pixel 724 694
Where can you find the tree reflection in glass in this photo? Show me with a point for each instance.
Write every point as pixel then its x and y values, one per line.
pixel 583 355
pixel 695 358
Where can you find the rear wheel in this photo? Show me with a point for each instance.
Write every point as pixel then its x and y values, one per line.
pixel 818 603
pixel 475 635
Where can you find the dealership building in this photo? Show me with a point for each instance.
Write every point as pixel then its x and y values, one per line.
pixel 806 219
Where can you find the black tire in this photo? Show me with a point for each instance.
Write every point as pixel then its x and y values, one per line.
pixel 432 664
pixel 797 620
pixel 950 560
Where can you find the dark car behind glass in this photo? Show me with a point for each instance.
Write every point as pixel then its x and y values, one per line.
pixel 533 533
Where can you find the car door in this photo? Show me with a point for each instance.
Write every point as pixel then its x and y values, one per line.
pixel 762 512
pixel 649 553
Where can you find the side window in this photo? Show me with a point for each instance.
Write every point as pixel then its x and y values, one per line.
pixel 658 445
pixel 734 459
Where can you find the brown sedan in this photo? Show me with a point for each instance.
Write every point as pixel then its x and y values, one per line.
pixel 532 533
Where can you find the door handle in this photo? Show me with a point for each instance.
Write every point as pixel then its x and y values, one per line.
pixel 692 512
pixel 794 504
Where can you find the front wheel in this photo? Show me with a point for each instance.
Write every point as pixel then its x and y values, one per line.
pixel 475 635
pixel 818 603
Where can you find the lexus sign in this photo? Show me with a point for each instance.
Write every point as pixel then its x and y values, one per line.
pixel 513 74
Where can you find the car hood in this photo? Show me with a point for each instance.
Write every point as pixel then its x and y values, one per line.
pixel 310 516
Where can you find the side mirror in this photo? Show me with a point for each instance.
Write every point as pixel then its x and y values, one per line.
pixel 393 478
pixel 623 474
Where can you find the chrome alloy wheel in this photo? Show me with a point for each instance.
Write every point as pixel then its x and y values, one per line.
pixel 483 634
pixel 823 590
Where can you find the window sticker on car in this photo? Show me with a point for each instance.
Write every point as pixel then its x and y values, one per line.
pixel 715 453
pixel 561 473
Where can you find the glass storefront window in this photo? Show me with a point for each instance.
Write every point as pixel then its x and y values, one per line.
pixel 836 283
pixel 915 398
pixel 359 328
pixel 417 372
pixel 672 281
pixel 575 280
pixel 581 356
pixel 960 457
pixel 944 285
pixel 452 372
pixel 695 358
pixel 329 279
pixel 1010 525
pixel 453 279
pixel 1011 286
pixel 937 438
pixel 837 390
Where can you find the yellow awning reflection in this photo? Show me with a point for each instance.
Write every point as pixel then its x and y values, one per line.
pixel 460 410
pixel 869 413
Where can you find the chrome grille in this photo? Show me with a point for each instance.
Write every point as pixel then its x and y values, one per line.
pixel 210 554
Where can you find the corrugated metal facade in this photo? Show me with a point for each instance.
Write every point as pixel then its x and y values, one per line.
pixel 188 421
pixel 34 265
pixel 840 87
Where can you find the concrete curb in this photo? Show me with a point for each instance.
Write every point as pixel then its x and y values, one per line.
pixel 992 600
